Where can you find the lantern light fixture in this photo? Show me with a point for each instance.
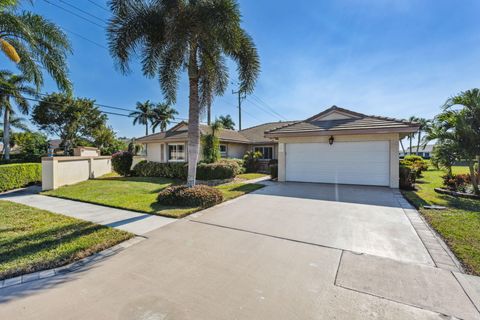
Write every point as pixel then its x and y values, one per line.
pixel 330 140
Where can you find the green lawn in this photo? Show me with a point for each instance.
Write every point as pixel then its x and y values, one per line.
pixel 33 239
pixel 138 193
pixel 251 176
pixel 459 225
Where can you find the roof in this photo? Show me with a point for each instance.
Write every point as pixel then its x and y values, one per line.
pixel 180 133
pixel 256 134
pixel 335 120
pixel 427 148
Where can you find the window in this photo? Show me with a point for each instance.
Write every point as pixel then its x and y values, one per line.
pixel 223 150
pixel 267 152
pixel 176 152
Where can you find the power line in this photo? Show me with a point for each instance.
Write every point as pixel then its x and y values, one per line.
pixel 83 11
pixel 98 5
pixel 264 109
pixel 86 39
pixel 257 98
pixel 75 14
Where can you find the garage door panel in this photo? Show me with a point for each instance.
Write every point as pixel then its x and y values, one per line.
pixel 343 162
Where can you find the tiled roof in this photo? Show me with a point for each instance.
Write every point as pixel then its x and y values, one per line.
pixel 357 122
pixel 182 135
pixel 257 134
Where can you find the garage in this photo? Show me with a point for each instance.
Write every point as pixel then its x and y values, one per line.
pixel 362 163
pixel 341 146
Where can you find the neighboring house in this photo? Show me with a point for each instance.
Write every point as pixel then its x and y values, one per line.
pixel 424 152
pixel 334 146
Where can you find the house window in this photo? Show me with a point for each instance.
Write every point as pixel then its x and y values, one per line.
pixel 267 152
pixel 223 150
pixel 176 152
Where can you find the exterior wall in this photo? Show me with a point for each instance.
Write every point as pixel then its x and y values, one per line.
pixel 137 159
pixel 236 150
pixel 60 171
pixel 86 152
pixel 154 152
pixel 392 137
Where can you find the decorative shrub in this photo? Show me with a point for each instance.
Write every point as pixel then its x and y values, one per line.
pixel 122 162
pixel 251 161
pixel 407 178
pixel 172 170
pixel 19 175
pixel 274 171
pixel 457 182
pixel 416 163
pixel 237 165
pixel 197 196
pixel 214 171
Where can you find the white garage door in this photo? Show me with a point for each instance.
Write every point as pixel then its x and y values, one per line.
pixel 366 163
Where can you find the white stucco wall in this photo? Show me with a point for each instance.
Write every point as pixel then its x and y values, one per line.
pixel 236 150
pixel 391 137
pixel 154 152
pixel 100 167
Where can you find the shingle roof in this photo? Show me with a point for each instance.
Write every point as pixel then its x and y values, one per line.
pixel 357 122
pixel 256 134
pixel 182 135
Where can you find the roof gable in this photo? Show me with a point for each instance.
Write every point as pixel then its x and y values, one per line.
pixel 334 113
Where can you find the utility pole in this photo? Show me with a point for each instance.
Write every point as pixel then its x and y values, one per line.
pixel 240 97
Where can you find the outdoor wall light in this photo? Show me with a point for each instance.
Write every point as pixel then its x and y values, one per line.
pixel 330 140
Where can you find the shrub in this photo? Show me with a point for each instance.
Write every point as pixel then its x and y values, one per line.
pixel 197 196
pixel 122 162
pixel 237 165
pixel 416 163
pixel 251 161
pixel 407 178
pixel 274 171
pixel 456 182
pixel 214 171
pixel 19 175
pixel 172 170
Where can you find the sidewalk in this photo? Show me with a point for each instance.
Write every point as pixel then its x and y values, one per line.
pixel 134 222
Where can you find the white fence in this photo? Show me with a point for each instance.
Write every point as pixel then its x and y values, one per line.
pixel 60 171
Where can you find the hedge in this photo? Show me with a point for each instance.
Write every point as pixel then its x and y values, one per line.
pixel 197 196
pixel 19 175
pixel 122 162
pixel 174 170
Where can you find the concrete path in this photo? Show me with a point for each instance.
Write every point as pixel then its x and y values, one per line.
pixel 134 222
pixel 313 252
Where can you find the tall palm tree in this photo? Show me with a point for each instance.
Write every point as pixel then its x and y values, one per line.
pixel 424 124
pixel 17 123
pixel 143 115
pixel 227 122
pixel 410 136
pixel 162 115
pixel 12 87
pixel 196 36
pixel 34 43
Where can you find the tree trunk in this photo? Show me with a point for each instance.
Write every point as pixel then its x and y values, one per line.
pixel 411 138
pixel 418 141
pixel 473 177
pixel 193 119
pixel 403 148
pixel 6 134
pixel 146 129
pixel 209 113
pixel 478 166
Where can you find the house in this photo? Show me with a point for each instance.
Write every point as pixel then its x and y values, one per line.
pixel 424 151
pixel 335 146
pixel 171 145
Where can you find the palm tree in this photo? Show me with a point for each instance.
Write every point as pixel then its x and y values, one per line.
pixel 196 36
pixel 162 115
pixel 34 43
pixel 17 123
pixel 424 124
pixel 12 87
pixel 410 136
pixel 227 122
pixel 143 115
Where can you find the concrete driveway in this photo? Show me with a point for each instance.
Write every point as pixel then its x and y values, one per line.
pixel 288 251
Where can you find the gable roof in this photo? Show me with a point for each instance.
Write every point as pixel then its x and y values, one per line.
pixel 180 133
pixel 256 134
pixel 337 120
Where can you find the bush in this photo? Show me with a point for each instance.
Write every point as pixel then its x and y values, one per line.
pixel 251 161
pixel 237 165
pixel 407 178
pixel 19 175
pixel 274 171
pixel 122 162
pixel 197 196
pixel 214 171
pixel 172 170
pixel 457 182
pixel 416 163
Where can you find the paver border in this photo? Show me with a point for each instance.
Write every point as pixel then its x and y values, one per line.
pixel 74 266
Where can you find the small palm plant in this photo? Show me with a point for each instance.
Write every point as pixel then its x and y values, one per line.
pixel 227 122
pixel 211 143
pixel 196 36
pixel 143 115
pixel 162 115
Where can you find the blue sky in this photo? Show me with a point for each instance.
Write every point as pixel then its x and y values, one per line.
pixel 392 58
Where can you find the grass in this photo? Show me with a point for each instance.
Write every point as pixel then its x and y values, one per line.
pixel 33 239
pixel 459 225
pixel 138 194
pixel 251 176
